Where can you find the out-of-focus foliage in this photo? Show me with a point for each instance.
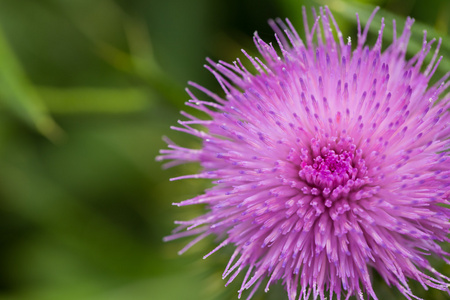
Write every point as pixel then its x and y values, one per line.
pixel 87 90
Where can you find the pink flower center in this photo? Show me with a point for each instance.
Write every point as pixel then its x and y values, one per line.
pixel 333 170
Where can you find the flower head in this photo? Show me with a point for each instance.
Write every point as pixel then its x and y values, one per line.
pixel 328 163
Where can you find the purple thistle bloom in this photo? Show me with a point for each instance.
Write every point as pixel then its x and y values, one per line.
pixel 328 163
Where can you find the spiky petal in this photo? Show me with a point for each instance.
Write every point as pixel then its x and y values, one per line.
pixel 327 163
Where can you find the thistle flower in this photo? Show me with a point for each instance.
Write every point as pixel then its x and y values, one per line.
pixel 327 164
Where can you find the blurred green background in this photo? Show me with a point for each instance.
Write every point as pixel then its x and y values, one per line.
pixel 87 90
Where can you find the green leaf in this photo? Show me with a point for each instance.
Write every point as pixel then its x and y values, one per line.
pixel 18 95
pixel 94 100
